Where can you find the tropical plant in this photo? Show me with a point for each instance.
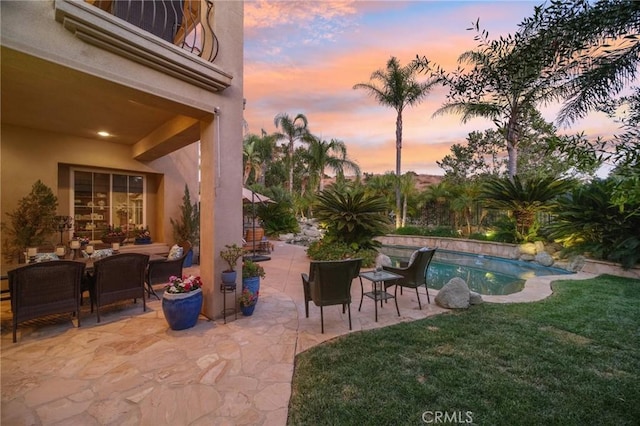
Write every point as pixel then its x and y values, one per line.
pixel 251 269
pixel 398 88
pixel 277 217
pixel 184 284
pixel 587 221
pixel 523 199
pixel 292 130
pixel 32 222
pixel 352 217
pixel 231 254
pixel 187 227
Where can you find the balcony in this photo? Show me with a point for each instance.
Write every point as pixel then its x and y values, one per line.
pixel 175 37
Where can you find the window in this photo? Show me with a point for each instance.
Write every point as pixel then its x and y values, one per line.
pixel 104 199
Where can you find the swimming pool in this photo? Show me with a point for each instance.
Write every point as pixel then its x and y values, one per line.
pixel 483 274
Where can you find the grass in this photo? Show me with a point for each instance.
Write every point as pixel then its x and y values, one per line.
pixel 572 359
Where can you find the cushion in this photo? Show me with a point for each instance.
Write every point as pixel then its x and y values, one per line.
pixel 44 257
pixel 415 254
pixel 175 252
pixel 97 254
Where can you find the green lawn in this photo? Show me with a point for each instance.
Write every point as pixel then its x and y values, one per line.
pixel 572 359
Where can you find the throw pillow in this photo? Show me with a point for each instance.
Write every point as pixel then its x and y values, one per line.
pixel 44 257
pixel 175 253
pixel 415 254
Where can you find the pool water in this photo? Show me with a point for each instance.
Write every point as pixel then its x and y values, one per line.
pixel 483 274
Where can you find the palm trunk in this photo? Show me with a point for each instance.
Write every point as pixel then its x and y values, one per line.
pixel 398 167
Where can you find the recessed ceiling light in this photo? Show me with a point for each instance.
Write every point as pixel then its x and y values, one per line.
pixel 103 133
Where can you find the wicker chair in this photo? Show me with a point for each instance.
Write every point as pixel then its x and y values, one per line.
pixel 329 283
pixel 119 277
pixel 45 288
pixel 159 272
pixel 414 275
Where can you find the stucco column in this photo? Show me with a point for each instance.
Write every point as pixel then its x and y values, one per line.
pixel 209 265
pixel 220 204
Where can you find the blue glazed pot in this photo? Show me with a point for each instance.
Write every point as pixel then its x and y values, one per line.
pixel 181 310
pixel 247 311
pixel 229 277
pixel 188 260
pixel 252 283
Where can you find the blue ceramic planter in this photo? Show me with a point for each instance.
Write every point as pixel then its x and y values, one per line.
pixel 252 283
pixel 188 260
pixel 181 310
pixel 247 311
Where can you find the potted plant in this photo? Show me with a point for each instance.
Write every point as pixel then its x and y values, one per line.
pixel 143 236
pixel 114 235
pixel 247 301
pixel 251 274
pixel 187 227
pixel 182 301
pixel 32 223
pixel 230 254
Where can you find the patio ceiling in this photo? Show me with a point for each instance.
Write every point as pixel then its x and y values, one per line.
pixel 47 96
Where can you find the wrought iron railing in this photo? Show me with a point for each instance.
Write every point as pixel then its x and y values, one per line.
pixel 184 23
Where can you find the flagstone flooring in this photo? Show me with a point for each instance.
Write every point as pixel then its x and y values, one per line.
pixel 131 369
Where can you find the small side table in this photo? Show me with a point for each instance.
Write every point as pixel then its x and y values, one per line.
pixel 227 289
pixel 378 292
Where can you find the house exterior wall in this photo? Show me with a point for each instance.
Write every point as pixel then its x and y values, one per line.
pixel 28 153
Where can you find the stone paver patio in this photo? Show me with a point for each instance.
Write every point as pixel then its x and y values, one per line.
pixel 131 369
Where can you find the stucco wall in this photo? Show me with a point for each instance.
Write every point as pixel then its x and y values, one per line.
pixel 27 155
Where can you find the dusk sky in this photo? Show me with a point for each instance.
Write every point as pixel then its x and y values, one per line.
pixel 305 57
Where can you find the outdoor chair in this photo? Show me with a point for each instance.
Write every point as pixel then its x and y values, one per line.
pixel 45 288
pixel 329 283
pixel 159 272
pixel 415 274
pixel 119 277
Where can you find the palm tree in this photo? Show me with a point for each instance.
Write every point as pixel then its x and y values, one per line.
pixel 407 189
pixel 322 155
pixel 397 87
pixel 501 86
pixel 292 130
pixel 523 199
pixel 251 157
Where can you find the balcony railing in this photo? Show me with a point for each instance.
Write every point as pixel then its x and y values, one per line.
pixel 185 23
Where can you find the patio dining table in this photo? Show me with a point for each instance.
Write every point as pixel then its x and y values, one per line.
pixel 5 268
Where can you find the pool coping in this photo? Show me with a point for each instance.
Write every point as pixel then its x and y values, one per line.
pixel 536 288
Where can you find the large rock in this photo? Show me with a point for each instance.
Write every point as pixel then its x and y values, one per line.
pixel 527 248
pixel 576 263
pixel 544 259
pixel 475 298
pixel 454 294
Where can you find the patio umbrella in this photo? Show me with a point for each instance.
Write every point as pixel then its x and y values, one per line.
pixel 250 196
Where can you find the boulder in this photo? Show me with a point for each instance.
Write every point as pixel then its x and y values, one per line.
pixel 475 298
pixel 544 259
pixel 527 248
pixel 285 237
pixel 454 294
pixel 539 247
pixel 576 263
